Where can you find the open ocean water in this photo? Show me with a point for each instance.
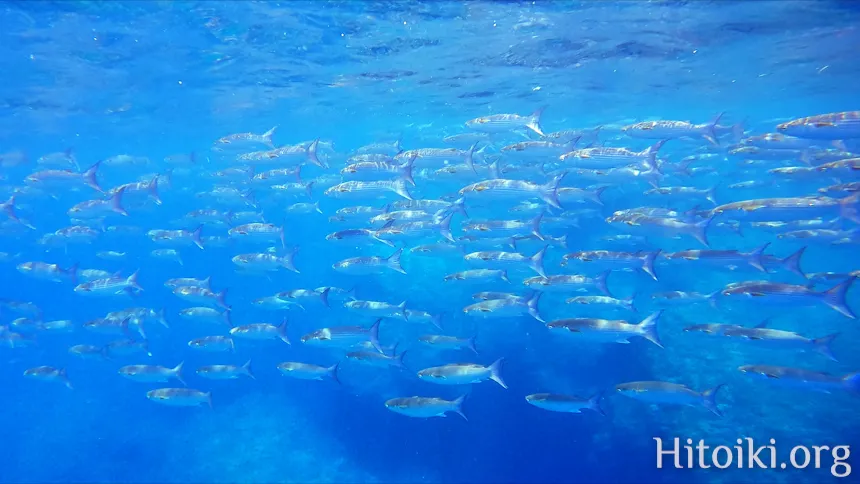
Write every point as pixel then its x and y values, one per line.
pixel 228 143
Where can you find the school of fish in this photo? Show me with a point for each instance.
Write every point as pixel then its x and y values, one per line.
pixel 520 213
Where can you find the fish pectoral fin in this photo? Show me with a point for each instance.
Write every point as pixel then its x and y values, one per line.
pixel 824 124
pixel 623 341
pixel 771 375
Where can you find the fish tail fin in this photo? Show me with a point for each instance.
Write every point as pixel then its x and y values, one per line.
pixel 496 372
pixel 504 275
pixel 849 208
pixel 374 336
pixel 470 162
pixel 792 263
pixel 597 196
pixel 131 281
pixel 267 136
pixel 835 298
pixel 471 344
pixel 90 177
pixel 738 130
pixel 709 398
pixel 536 226
pixel 195 236
pixel 152 188
pixel 177 373
pixel 332 372
pixel 852 382
pixel 754 257
pixel 221 298
pixel 651 153
pixel 73 272
pixel 594 403
pixel 648 328
pixel 309 189
pixel 282 236
pixel 534 121
pixel 445 227
pixel 282 332
pixel 162 319
pixel 402 308
pixel 536 261
pixel 317 207
pixel 289 261
pixel 65 379
pixel 393 261
pixel 406 170
pixel 299 173
pixel 549 192
pixel 700 230
pixel 630 302
pixel 494 170
pixel 246 369
pixel 648 263
pixel 9 208
pixel 710 133
pixel 600 281
pixel 711 194
pixel 822 345
pixel 398 360
pixel 714 299
pixel 458 407
pixel 227 317
pixel 400 188
pixel 116 202
pixel 460 206
pixel 532 304
pixel 436 320
pixel 208 396
pixel 324 296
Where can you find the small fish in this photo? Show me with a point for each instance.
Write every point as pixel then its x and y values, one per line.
pixel 213 343
pixel 788 295
pixel 180 397
pixel 226 372
pixel 506 308
pixel 448 342
pixel 670 393
pixel 204 314
pixel 569 283
pixel 501 123
pixel 608 331
pixel 261 332
pixel 305 371
pixel 152 373
pixel 202 295
pixel 370 264
pixel 424 407
pixel 565 403
pixel 49 374
pixel 832 126
pixel 673 130
pixel 464 373
pixel 803 379
pixel 167 254
pixel 243 140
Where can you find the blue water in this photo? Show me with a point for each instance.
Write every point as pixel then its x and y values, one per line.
pixel 153 79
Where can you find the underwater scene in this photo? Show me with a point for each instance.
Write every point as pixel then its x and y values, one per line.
pixel 429 242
